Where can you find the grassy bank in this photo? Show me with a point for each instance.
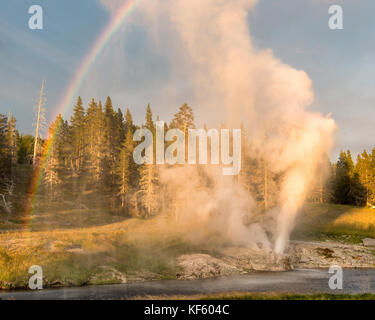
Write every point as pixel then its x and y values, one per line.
pixel 78 247
pixel 334 222
pixel 120 251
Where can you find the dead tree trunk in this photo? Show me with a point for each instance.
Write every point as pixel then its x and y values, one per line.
pixel 38 123
pixel 7 205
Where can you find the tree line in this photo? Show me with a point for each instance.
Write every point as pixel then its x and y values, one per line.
pixel 93 155
pixel 90 164
pixel 88 160
pixel 354 183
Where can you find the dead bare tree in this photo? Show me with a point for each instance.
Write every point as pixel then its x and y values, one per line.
pixel 7 193
pixel 40 120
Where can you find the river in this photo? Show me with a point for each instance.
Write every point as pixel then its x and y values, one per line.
pixel 297 281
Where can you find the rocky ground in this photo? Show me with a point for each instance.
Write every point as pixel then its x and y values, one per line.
pixel 300 254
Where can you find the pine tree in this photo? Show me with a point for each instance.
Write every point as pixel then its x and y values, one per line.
pixel 25 149
pixel 94 123
pixel 149 122
pixel 347 187
pixel 64 149
pixel 110 126
pixel 77 134
pixel 112 146
pixel 183 119
pixel 149 188
pixel 52 170
pixel 128 122
pixel 125 170
pixel 120 124
pixel 342 181
pixel 127 173
pixel 90 127
pixel 149 177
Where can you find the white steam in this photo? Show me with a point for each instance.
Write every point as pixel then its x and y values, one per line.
pixel 231 78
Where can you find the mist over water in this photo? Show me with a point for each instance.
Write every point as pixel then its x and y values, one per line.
pixel 228 76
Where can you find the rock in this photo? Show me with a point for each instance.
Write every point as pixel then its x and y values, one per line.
pixel 198 266
pixel 368 242
pixel 250 259
pixel 233 260
pixel 107 274
pixel 323 255
pixel 300 254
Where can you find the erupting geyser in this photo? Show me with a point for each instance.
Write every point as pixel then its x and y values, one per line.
pixel 210 47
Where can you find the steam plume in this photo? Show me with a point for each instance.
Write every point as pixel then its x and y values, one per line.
pixel 214 51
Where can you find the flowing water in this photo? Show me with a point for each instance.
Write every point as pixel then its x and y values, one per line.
pixel 297 281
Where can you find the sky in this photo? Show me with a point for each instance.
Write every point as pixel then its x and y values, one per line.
pixel 135 72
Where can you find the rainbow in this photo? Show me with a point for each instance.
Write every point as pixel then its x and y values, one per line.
pixel 67 101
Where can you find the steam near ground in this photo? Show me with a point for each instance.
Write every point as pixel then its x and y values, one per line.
pixel 245 86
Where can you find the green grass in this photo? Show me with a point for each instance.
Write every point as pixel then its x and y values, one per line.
pixel 75 246
pixel 136 249
pixel 334 222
